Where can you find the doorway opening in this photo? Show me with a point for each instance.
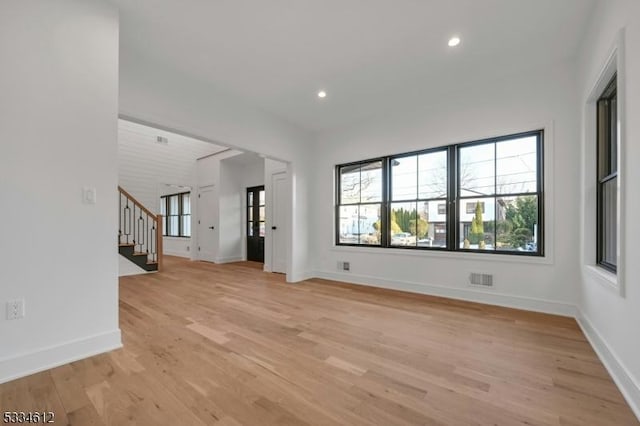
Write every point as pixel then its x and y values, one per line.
pixel 255 223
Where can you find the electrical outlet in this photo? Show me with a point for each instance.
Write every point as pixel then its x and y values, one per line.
pixel 15 309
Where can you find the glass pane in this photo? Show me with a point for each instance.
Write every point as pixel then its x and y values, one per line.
pixel 186 204
pixel 173 205
pixel 516 165
pixel 173 225
pixel 432 172
pixel 349 232
pixel 477 228
pixel 250 229
pixel 262 229
pixel 262 213
pixel 250 214
pixel 613 134
pixel 369 224
pixel 163 206
pixel 477 170
pixel 360 224
pixel 186 225
pixel 350 184
pixel 404 178
pixel 262 198
pixel 406 226
pixel 371 182
pixel 361 183
pixel 437 235
pixel 609 221
pixel 517 223
pixel 250 199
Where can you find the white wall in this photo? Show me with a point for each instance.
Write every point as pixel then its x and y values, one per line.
pixel 209 173
pixel 236 175
pixel 58 133
pixel 230 203
pixel 543 98
pixel 146 168
pixel 232 172
pixel 155 93
pixel 610 320
pixel 127 267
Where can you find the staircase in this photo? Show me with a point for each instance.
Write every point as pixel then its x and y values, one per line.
pixel 140 233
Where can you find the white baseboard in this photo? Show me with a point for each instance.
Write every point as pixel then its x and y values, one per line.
pixel 300 276
pixel 229 259
pixel 489 297
pixel 177 253
pixel 628 385
pixel 54 356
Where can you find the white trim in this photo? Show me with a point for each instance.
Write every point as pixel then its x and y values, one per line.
pixel 54 356
pixel 604 277
pixel 613 64
pixel 228 259
pixel 177 253
pixel 628 385
pixel 549 212
pixel 489 297
pixel 442 254
pixel 302 276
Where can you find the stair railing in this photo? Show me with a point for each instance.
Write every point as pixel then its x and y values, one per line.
pixel 140 227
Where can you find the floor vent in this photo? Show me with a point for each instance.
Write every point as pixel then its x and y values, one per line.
pixel 483 280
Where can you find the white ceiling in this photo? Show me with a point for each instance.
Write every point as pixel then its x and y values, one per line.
pixel 370 55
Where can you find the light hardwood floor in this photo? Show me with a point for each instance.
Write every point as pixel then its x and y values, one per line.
pixel 228 344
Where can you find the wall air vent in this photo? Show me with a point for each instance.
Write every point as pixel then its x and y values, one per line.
pixel 162 139
pixel 482 280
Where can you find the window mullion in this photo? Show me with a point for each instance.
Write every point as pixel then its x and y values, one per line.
pixel 452 196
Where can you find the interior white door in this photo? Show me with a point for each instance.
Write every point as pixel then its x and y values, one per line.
pixel 279 234
pixel 207 222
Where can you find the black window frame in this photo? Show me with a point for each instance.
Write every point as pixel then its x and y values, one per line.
pixel 383 203
pixel 453 198
pixel 182 217
pixel 606 165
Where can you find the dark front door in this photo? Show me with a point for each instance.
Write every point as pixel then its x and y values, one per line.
pixel 255 223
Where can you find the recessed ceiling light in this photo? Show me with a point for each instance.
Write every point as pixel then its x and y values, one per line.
pixel 322 94
pixel 454 41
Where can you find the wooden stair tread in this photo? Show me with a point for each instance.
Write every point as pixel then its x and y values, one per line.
pixel 126 245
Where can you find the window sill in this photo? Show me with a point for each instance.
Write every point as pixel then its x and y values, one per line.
pixel 478 257
pixel 604 277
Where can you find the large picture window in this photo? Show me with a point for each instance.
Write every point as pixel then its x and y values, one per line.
pixel 176 214
pixel 607 194
pixel 481 196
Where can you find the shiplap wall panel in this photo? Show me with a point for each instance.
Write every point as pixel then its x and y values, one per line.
pixel 146 167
